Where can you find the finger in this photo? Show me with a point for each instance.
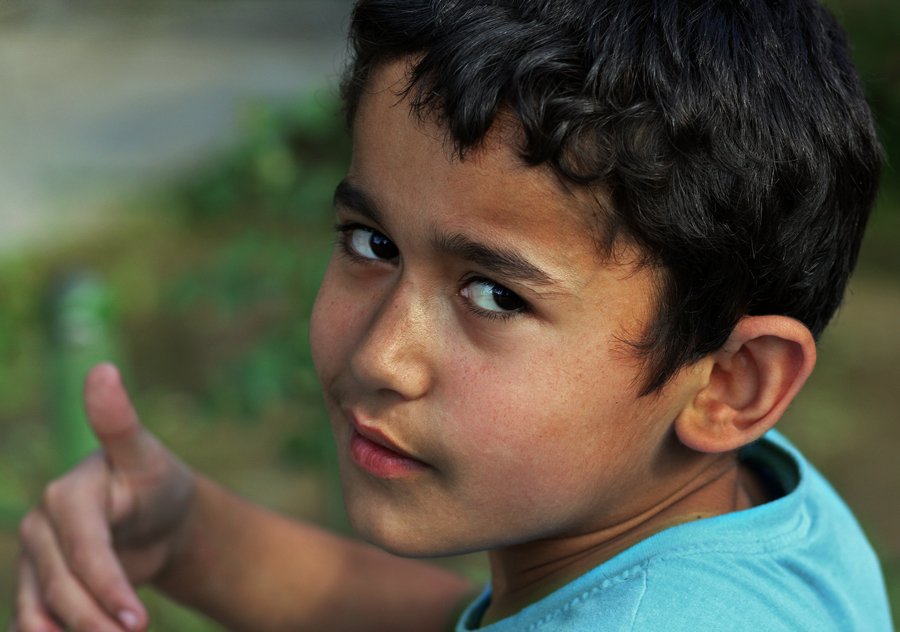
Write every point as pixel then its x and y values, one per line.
pixel 59 590
pixel 31 616
pixel 80 524
pixel 126 443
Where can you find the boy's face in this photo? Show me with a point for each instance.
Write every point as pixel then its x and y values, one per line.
pixel 469 323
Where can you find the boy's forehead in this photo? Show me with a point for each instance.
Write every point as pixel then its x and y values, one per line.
pixel 386 102
pixel 387 130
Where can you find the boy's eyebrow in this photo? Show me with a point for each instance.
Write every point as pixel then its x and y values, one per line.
pixel 352 197
pixel 504 262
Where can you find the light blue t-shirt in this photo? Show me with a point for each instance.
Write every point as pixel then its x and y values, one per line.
pixel 800 562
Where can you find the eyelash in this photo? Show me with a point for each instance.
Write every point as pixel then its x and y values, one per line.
pixel 344 231
pixel 484 313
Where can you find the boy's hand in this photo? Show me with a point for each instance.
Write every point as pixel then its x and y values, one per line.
pixel 114 520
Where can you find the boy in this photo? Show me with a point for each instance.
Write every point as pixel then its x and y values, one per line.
pixel 584 249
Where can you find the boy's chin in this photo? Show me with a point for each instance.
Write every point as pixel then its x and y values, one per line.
pixel 405 540
pixel 402 542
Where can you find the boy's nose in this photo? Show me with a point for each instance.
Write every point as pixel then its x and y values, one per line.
pixel 393 352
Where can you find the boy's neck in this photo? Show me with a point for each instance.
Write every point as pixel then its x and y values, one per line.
pixel 524 573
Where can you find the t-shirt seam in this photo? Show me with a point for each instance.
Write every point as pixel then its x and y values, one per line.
pixel 777 542
pixel 621 578
pixel 637 607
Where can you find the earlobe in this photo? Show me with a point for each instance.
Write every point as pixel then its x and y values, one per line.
pixel 751 381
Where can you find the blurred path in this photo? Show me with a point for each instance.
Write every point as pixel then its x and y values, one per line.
pixel 97 98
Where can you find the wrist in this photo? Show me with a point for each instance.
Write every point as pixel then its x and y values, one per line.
pixel 183 554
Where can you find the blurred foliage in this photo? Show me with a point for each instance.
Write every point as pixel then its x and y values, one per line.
pixel 261 213
pixel 873 27
pixel 215 297
pixel 211 288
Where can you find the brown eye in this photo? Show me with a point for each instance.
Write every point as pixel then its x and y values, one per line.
pixel 487 296
pixel 371 244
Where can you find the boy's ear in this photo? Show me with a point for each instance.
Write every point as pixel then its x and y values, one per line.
pixel 749 383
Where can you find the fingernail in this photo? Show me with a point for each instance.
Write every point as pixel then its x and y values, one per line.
pixel 129 619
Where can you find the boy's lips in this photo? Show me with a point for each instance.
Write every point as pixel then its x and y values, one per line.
pixel 378 454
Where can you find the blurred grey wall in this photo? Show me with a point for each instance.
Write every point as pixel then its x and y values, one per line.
pixel 97 98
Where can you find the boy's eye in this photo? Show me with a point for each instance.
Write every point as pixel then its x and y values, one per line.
pixel 370 244
pixel 487 296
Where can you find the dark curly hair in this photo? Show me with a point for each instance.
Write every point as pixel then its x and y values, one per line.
pixel 731 139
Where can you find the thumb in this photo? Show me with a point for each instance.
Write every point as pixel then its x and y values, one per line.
pixel 126 443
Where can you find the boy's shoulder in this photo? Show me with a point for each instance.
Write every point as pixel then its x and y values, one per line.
pixel 799 562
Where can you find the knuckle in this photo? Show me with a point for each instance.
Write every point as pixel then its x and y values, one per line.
pixel 28 527
pixel 55 493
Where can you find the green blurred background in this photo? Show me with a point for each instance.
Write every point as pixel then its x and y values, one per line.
pixel 196 271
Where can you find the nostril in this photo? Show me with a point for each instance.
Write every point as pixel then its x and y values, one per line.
pixel 393 353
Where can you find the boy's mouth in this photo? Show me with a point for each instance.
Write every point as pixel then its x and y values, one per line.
pixel 378 454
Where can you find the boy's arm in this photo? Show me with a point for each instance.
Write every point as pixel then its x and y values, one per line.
pixel 254 570
pixel 134 513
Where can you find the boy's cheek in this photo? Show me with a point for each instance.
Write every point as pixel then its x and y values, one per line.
pixel 329 317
